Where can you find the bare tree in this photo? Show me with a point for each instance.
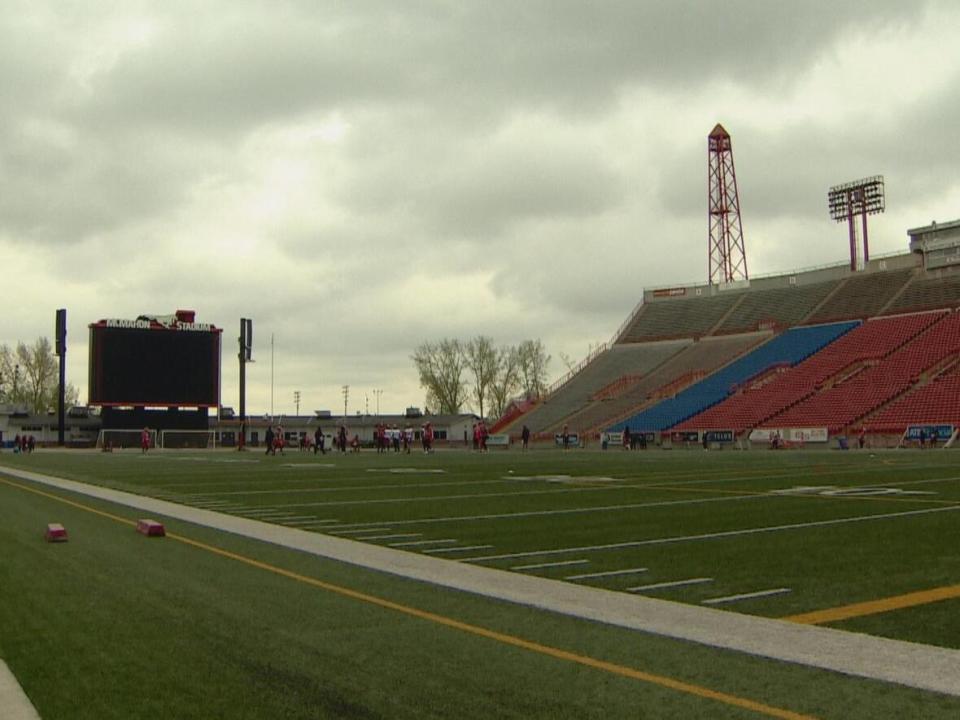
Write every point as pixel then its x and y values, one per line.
pixel 533 367
pixel 30 376
pixel 506 381
pixel 481 360
pixel 440 366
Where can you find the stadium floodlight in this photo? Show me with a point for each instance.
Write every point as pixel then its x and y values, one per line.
pixel 857 198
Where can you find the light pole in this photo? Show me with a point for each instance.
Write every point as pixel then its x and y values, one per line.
pixel 377 393
pixel 346 394
pixel 296 401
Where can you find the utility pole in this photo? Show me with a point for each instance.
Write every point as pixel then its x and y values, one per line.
pixel 296 401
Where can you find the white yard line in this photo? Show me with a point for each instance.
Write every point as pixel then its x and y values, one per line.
pixel 14 703
pixel 417 543
pixel 465 548
pixel 562 563
pixel 393 536
pixel 337 531
pixel 713 536
pixel 349 488
pixel 608 573
pixel 745 596
pixel 572 511
pixel 673 584
pixel 912 664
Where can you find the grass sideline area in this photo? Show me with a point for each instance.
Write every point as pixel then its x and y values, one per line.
pixel 112 623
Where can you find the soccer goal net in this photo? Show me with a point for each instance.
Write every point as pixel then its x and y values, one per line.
pixel 108 439
pixel 194 439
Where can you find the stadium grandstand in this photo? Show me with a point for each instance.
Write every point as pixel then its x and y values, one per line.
pixel 816 354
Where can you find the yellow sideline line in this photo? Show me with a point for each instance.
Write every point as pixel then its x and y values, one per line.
pixel 556 653
pixel 873 607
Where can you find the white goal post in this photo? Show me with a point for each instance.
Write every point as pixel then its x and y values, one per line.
pixel 190 439
pixel 115 439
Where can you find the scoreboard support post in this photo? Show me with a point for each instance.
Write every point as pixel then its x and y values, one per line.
pixel 61 350
pixel 246 351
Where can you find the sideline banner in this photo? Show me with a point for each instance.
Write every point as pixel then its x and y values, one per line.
pixel 940 432
pixel 499 440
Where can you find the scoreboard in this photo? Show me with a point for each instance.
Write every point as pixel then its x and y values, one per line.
pixel 161 361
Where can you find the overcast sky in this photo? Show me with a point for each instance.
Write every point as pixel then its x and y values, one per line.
pixel 359 177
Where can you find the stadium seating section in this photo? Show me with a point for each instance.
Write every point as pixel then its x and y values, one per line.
pixel 788 348
pixel 850 400
pixel 862 296
pixel 784 306
pixel 619 360
pixel 688 317
pixel 878 348
pixel 868 342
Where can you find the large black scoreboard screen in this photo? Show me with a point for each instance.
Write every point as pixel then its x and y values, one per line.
pixel 151 363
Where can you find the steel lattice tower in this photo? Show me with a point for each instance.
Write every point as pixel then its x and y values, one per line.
pixel 726 256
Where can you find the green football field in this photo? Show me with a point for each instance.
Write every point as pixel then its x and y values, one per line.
pixel 206 624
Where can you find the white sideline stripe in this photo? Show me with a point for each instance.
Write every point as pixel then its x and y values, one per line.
pixel 388 537
pixel 608 573
pixel 458 549
pixel 675 583
pixel 13 700
pixel 414 543
pixel 746 596
pixel 714 536
pixel 536 566
pixel 911 664
pixel 311 521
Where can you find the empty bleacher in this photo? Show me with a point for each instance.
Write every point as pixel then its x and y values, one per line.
pixel 687 317
pixel 870 341
pixel 784 306
pixel 933 404
pixel 852 399
pixel 704 356
pixel 862 296
pixel 615 362
pixel 790 348
pixel 941 290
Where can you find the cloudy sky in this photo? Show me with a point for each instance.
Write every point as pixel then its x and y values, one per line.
pixel 359 177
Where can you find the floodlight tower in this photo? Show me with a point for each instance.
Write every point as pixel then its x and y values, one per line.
pixel 859 197
pixel 726 256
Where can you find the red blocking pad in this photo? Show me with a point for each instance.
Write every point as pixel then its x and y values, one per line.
pixel 150 528
pixel 55 533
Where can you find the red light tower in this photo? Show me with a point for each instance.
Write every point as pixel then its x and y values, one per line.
pixel 727 258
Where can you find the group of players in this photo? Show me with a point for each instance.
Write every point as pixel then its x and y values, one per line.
pixel 24 444
pixel 384 438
